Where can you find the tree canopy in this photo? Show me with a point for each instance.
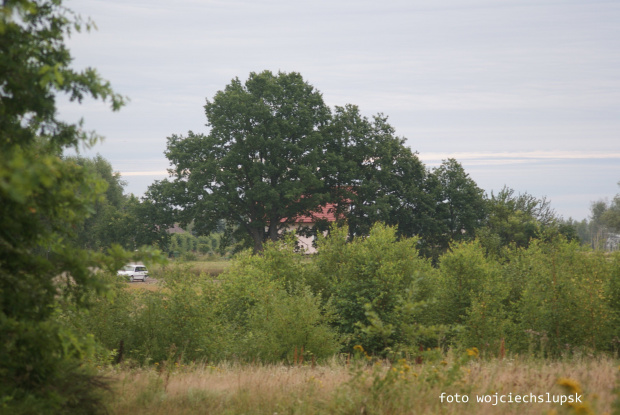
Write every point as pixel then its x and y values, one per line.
pixel 373 175
pixel 43 198
pixel 118 218
pixel 275 152
pixel 259 166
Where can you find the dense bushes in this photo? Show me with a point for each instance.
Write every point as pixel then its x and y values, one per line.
pixel 550 299
pixel 370 280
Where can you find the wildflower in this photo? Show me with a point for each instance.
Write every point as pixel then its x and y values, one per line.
pixel 473 352
pixel 570 384
pixel 359 348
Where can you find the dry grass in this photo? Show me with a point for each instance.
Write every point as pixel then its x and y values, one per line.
pixel 213 268
pixel 150 285
pixel 334 388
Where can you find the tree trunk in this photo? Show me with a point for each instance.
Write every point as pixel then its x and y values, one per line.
pixel 257 237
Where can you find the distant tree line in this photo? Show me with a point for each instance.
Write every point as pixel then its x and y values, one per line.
pixel 498 220
pixel 117 218
pixel 275 151
pixel 602 230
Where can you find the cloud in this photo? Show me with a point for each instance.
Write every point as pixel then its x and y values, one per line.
pixel 519 157
pixel 144 173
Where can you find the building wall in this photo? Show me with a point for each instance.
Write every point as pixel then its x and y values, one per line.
pixel 305 242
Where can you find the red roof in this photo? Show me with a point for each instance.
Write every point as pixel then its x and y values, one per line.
pixel 327 212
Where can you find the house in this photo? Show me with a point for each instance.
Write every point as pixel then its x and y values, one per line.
pixel 309 222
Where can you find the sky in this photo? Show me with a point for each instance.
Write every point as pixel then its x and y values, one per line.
pixel 522 93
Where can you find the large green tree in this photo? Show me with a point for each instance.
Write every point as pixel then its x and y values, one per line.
pixel 43 197
pixel 373 177
pixel 259 166
pixel 275 152
pixel 460 205
pixel 516 219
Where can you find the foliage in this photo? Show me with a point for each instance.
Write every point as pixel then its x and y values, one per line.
pixel 552 298
pixel 284 324
pixel 372 176
pixel 604 223
pixel 368 281
pixel 259 165
pixel 273 311
pixel 463 273
pixel 260 310
pixel 275 152
pixel 515 219
pixel 43 198
pixel 565 303
pixel 153 326
pixel 471 296
pixel 186 244
pixel 460 206
pixel 117 218
pixel 99 228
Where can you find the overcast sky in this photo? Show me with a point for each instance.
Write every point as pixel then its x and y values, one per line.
pixel 522 93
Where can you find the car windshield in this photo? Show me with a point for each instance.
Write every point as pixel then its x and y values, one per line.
pixel 140 268
pixel 127 268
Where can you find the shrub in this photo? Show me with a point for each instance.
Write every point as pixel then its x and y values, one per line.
pixel 566 302
pixel 368 279
pixel 283 324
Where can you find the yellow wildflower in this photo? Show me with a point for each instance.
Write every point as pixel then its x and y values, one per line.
pixel 570 384
pixel 473 352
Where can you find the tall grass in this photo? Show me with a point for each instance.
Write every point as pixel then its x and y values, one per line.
pixel 361 388
pixel 207 267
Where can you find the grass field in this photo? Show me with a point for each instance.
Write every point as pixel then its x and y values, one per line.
pixel 338 388
pixel 213 268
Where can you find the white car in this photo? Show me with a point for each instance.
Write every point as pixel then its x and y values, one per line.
pixel 134 272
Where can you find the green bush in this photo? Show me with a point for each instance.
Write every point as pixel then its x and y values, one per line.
pixel 284 324
pixel 368 280
pixel 551 298
pixel 566 303
pixel 270 308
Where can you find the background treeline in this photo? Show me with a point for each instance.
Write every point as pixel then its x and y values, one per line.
pixel 463 212
pixel 602 230
pixel 552 298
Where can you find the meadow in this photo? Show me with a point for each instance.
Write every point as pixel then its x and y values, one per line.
pixel 359 387
pixel 213 267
